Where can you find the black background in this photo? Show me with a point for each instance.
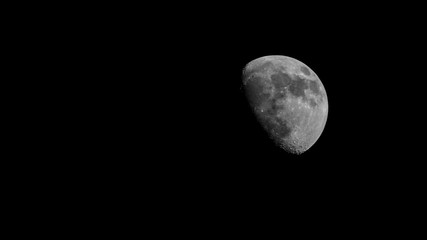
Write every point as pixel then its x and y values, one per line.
pixel 150 106
pixel 357 65
pixel 193 133
pixel 207 143
pixel 189 114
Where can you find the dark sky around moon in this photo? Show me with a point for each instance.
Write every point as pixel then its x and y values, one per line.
pixel 355 78
pixel 355 72
pixel 183 126
pixel 161 114
pixel 201 112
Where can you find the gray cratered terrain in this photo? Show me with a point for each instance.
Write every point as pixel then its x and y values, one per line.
pixel 289 100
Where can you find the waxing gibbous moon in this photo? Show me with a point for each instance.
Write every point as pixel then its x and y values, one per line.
pixel 288 99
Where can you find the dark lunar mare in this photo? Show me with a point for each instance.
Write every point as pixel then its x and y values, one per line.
pixel 305 70
pixel 296 86
pixel 314 87
pixel 281 81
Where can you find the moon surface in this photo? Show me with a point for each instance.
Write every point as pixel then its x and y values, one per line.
pixel 288 99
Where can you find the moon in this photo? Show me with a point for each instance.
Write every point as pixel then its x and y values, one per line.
pixel 288 99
